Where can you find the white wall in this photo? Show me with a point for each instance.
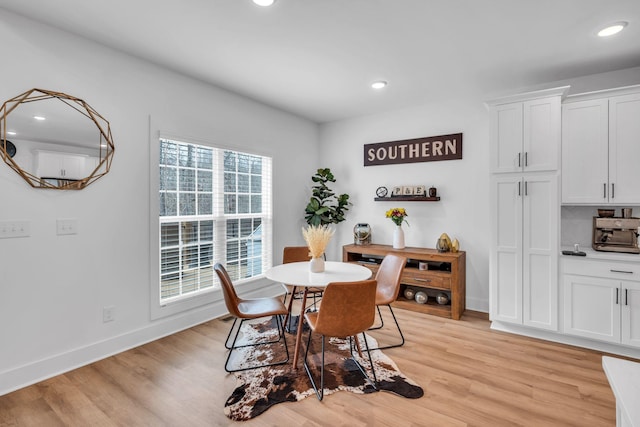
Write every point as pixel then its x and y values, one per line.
pixel 463 185
pixel 53 288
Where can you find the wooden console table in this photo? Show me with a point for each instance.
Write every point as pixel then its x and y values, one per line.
pixel 446 273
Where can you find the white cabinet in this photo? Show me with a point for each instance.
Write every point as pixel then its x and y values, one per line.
pixel 601 300
pixel 600 148
pixel 524 250
pixel 526 133
pixel 60 165
pixel 525 208
pixel 624 149
pixel 585 152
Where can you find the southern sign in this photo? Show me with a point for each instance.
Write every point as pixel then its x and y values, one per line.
pixel 429 149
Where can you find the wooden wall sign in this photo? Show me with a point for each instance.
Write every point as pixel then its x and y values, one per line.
pixel 429 149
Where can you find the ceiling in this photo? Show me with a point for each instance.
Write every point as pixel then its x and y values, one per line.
pixel 317 58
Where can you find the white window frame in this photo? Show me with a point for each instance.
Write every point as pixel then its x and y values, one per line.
pixel 211 295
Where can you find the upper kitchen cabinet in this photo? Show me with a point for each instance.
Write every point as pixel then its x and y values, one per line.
pixel 526 131
pixel 600 148
pixel 624 149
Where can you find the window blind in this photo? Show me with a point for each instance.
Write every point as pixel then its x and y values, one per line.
pixel 214 206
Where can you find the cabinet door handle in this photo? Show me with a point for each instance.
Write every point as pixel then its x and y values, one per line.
pixel 626 297
pixel 604 190
pixel 613 190
pixel 621 271
pixel 519 164
pixel 418 279
pixel 617 292
pixel 519 192
pixel 526 191
pixel 526 158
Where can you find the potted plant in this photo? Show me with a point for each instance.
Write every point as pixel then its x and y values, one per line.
pixel 324 206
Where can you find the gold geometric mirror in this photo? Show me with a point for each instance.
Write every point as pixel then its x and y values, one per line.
pixel 54 140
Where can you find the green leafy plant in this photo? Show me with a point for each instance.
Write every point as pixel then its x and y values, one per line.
pixel 325 207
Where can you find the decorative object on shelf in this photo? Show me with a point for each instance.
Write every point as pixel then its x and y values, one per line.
pixel 444 243
pixel 382 191
pixel 362 234
pixel 409 293
pixel 409 193
pixel 325 207
pixel 442 298
pixel 606 213
pixel 397 215
pixel 398 237
pixel 407 190
pixel 455 246
pixel 423 266
pixel 317 238
pixel 421 297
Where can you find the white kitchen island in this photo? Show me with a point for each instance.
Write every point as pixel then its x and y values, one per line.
pixel 624 378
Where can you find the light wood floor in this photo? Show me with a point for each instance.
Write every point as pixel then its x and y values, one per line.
pixel 472 376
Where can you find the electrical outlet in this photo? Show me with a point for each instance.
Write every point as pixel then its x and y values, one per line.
pixel 108 314
pixel 10 229
pixel 66 226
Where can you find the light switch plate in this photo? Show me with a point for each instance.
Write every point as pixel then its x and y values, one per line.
pixel 11 229
pixel 66 226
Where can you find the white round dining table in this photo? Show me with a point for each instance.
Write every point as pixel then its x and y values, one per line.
pixel 298 274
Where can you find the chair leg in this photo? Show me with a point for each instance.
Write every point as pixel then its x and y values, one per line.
pixel 373 382
pixel 401 343
pixel 281 336
pixel 373 328
pixel 226 342
pixel 287 318
pixel 319 393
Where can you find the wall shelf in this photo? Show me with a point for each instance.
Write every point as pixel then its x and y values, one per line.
pixel 407 199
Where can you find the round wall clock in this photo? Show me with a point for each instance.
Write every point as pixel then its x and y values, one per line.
pixel 10 148
pixel 382 192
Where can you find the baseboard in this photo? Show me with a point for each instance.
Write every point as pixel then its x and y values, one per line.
pixel 477 304
pixel 22 376
pixel 567 339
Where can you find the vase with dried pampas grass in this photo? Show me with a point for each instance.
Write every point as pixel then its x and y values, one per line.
pixel 317 238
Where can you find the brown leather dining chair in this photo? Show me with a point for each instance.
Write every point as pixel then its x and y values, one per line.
pixel 297 254
pixel 247 309
pixel 347 309
pixel 388 277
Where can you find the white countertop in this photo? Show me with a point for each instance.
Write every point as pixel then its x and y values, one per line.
pixel 592 254
pixel 624 378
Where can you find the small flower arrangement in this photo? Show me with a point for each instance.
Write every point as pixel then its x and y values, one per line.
pixel 397 215
pixel 317 238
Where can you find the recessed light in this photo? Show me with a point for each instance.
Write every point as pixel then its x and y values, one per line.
pixel 40 118
pixel 612 29
pixel 379 84
pixel 264 2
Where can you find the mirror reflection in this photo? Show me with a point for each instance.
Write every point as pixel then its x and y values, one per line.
pixel 54 140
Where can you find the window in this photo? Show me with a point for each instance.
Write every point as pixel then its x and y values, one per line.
pixel 214 206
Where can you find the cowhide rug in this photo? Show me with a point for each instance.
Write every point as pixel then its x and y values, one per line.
pixel 260 389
